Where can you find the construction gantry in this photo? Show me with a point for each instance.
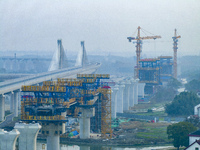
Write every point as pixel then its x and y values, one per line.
pixel 48 103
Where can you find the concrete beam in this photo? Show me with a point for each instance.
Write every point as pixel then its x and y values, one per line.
pixel 120 98
pixel 53 139
pixel 114 101
pixel 16 103
pixel 136 91
pixel 12 102
pixel 131 93
pixel 84 122
pixel 126 96
pixel 8 139
pixel 28 135
pixel 2 107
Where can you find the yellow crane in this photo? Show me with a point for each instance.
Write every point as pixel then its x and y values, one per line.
pixel 139 39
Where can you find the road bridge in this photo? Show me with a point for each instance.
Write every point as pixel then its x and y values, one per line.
pixel 12 87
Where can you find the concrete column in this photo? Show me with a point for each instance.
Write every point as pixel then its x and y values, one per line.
pixel 84 122
pixel 114 101
pixel 2 107
pixel 53 140
pixel 28 135
pixel 131 93
pixel 136 91
pixel 12 102
pixel 120 98
pixel 16 103
pixel 19 100
pixel 141 89
pixel 8 139
pixel 126 96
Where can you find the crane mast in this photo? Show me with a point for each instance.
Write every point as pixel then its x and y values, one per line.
pixel 139 47
pixel 175 47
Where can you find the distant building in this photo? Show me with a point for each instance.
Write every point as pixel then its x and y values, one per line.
pixel 194 146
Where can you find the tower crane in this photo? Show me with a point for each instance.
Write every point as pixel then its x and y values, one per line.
pixel 139 39
pixel 175 39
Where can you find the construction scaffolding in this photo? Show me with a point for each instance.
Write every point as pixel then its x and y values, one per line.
pixel 106 130
pixel 49 102
pixel 154 72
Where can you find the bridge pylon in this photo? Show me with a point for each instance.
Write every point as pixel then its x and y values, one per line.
pixel 59 60
pixel 82 56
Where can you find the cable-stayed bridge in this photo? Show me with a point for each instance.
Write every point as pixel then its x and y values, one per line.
pixel 57 70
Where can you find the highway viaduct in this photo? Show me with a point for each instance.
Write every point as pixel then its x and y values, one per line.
pixel 12 87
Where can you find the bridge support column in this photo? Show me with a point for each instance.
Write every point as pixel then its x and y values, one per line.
pixel 8 139
pixel 136 91
pixel 141 89
pixel 131 93
pixel 12 102
pixel 120 98
pixel 19 100
pixel 53 130
pixel 84 122
pixel 2 107
pixel 28 135
pixel 126 96
pixel 114 101
pixel 53 139
pixel 16 103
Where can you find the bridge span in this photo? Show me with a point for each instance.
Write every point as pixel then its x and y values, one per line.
pixel 12 87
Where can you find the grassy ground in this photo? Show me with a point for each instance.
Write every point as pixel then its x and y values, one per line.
pixel 148 105
pixel 149 132
pixel 158 113
pixel 154 131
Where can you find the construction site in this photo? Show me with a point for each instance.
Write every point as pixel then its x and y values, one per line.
pixel 154 71
pixel 90 105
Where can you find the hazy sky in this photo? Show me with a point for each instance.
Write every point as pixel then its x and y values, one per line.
pixel 104 25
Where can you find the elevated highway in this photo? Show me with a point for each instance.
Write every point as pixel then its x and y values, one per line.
pixel 12 87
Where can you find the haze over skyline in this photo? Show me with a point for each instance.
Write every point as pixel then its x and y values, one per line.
pixel 103 25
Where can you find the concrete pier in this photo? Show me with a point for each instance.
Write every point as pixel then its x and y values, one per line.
pixel 2 107
pixel 136 91
pixel 53 130
pixel 19 100
pixel 120 98
pixel 53 139
pixel 16 103
pixel 12 102
pixel 126 96
pixel 131 93
pixel 114 101
pixel 84 122
pixel 28 135
pixel 141 89
pixel 8 139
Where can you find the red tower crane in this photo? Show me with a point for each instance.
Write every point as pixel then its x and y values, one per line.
pixel 139 39
pixel 175 39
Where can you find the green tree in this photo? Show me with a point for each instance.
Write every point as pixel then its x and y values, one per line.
pixel 183 104
pixel 179 133
pixel 193 86
pixel 164 94
pixel 173 83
